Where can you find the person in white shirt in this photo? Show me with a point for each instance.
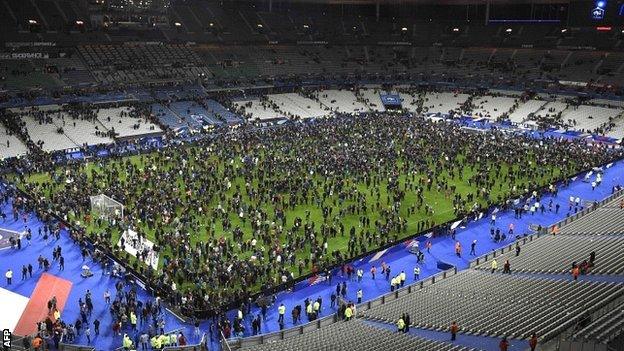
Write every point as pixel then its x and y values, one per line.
pixel 9 276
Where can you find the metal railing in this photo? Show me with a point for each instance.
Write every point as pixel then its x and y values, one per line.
pixel 236 343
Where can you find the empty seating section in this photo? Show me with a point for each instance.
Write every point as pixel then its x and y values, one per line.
pixel 443 102
pixel 604 220
pixel 411 102
pixel 341 101
pixel 295 105
pixel 554 59
pixel 525 109
pixel 10 145
pixel 194 114
pixel 617 130
pixel 555 255
pixel 82 131
pixel 605 328
pixel 126 122
pixel 370 96
pixel 477 56
pixel 612 63
pixel 492 107
pixel 590 118
pixel 256 109
pixel 352 336
pixel 580 66
pixel 552 109
pixel 141 63
pixel 220 113
pixel 47 135
pixel 498 305
pixel 167 117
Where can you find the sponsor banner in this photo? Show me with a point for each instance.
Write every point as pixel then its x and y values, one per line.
pixel 21 44
pixel 573 83
pixel 23 55
pixel 312 42
pixel 572 47
pixel 394 43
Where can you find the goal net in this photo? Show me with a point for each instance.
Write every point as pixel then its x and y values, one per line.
pixel 106 207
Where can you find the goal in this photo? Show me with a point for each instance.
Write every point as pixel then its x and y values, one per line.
pixel 106 207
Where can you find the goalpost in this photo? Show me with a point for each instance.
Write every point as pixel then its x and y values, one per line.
pixel 106 207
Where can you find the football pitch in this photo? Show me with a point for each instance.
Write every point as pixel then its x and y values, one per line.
pixel 265 207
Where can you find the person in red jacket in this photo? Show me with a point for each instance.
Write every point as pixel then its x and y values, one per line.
pixel 504 345
pixel 182 340
pixel 454 329
pixel 533 342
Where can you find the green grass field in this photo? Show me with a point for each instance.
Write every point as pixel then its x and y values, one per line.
pixel 208 228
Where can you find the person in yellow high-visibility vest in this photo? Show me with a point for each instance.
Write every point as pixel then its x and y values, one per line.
pixel 153 342
pixel 127 342
pixel 348 313
pixel 309 310
pixel 494 265
pixel 401 324
pixel 281 310
pixel 163 340
pixel 133 320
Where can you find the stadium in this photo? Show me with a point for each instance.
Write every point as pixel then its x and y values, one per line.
pixel 312 175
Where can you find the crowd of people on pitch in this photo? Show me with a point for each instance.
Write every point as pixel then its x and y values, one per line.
pixel 260 207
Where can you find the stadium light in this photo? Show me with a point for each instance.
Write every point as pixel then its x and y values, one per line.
pixel 404 29
pixel 177 24
pixel 455 29
pixel 508 30
pixel 32 21
pixel 259 25
pixel 564 30
pixel 79 23
pixel 306 26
